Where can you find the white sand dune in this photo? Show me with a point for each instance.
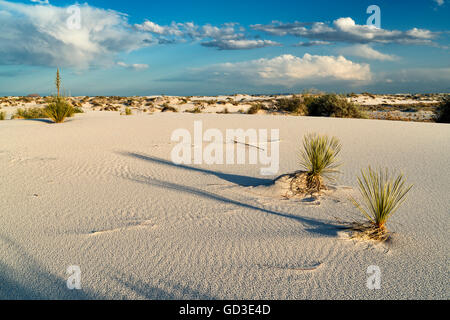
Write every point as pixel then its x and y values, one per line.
pixel 100 192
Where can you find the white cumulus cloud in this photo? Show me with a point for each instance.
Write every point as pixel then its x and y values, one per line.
pixel 40 35
pixel 288 70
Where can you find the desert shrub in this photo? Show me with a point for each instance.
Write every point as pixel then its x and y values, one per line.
pixel 294 105
pixel 319 159
pixel 332 105
pixel 2 115
pixel 254 108
pixel 369 95
pixel 195 110
pixel 128 111
pixel 381 196
pixel 167 107
pixel 59 109
pixel 443 115
pixel 78 110
pixel 30 113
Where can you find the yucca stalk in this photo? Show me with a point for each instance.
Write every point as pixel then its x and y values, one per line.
pixel 58 81
pixel 382 195
pixel 319 159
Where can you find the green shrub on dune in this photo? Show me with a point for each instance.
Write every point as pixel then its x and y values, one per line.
pixel 30 113
pixel 294 105
pixel 332 105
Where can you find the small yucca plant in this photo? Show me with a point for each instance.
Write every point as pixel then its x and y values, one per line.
pixel 59 109
pixel 319 159
pixel 381 194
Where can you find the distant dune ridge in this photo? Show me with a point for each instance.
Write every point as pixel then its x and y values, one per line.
pixel 406 107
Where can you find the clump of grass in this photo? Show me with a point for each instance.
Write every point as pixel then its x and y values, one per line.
pixel 294 105
pixel 319 159
pixel 30 113
pixel 444 111
pixel 332 105
pixel 381 196
pixel 128 111
pixel 59 109
pixel 2 115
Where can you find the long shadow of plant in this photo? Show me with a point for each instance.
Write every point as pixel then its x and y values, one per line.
pixel 38 284
pixel 149 292
pixel 244 181
pixel 312 225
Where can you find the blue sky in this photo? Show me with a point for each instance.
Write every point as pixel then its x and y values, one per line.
pixel 212 47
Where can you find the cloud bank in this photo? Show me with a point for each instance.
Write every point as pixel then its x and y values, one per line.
pixel 40 35
pixel 229 36
pixel 346 30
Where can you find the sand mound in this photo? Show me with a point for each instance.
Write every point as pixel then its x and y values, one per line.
pixel 291 185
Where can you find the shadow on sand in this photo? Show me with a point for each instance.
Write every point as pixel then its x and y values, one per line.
pixel 35 282
pixel 48 121
pixel 243 181
pixel 149 292
pixel 323 228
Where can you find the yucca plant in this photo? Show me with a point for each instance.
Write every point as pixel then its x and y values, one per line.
pixel 319 159
pixel 381 196
pixel 59 109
